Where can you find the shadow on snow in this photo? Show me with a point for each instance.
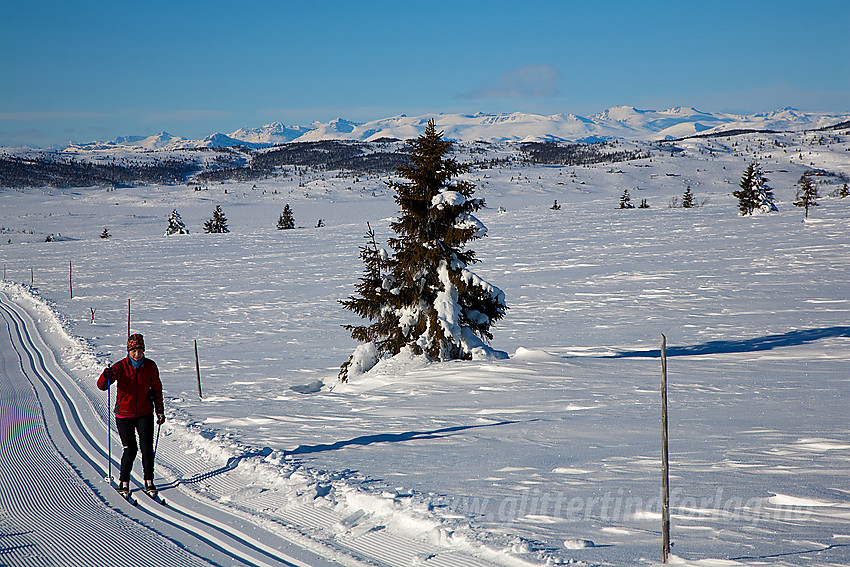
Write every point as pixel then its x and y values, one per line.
pixel 390 438
pixel 791 338
pixel 233 462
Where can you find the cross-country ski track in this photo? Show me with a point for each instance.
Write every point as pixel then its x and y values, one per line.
pixel 57 507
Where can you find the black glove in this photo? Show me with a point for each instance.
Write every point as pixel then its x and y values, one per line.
pixel 160 418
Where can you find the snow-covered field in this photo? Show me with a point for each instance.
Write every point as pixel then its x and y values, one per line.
pixel 550 456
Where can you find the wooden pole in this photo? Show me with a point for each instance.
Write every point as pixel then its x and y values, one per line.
pixel 32 276
pixel 665 463
pixel 128 318
pixel 198 371
pixel 71 278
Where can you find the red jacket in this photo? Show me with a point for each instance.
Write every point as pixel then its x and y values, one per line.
pixel 139 391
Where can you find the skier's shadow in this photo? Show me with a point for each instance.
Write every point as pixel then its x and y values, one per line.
pixel 393 438
pixel 231 464
pixel 791 338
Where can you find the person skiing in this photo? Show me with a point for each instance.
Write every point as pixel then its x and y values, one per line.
pixel 139 396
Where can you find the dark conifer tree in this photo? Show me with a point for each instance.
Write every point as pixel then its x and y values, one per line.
pixel 754 194
pixel 105 234
pixel 175 224
pixel 218 222
pixel 374 287
pixel 626 200
pixel 287 219
pixel 688 199
pixel 807 194
pixel 422 296
pixel 746 195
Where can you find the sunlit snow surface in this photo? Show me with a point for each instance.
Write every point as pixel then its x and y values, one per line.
pixel 554 453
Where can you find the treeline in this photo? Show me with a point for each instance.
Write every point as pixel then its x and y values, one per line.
pixel 364 158
pixel 559 153
pixel 24 172
pixel 332 155
pixel 328 155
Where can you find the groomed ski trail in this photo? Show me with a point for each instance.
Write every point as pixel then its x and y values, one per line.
pixel 56 506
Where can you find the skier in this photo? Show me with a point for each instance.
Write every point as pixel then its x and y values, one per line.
pixel 139 395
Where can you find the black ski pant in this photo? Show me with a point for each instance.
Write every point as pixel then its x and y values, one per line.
pixel 127 428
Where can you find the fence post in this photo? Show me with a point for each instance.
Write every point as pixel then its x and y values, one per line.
pixel 71 278
pixel 665 463
pixel 198 371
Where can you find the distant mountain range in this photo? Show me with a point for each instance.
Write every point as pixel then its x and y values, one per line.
pixel 620 122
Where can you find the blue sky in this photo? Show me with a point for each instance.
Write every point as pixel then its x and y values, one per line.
pixel 87 71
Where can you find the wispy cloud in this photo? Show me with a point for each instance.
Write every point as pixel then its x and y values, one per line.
pixel 528 81
pixel 49 116
pixel 185 115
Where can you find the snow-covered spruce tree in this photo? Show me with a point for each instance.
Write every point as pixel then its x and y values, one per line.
pixel 807 194
pixel 218 222
pixel 626 200
pixel 105 234
pixel 754 195
pixel 688 199
pixel 287 219
pixel 422 297
pixel 175 224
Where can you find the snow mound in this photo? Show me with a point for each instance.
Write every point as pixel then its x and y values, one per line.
pixel 578 543
pixel 312 388
pixel 523 353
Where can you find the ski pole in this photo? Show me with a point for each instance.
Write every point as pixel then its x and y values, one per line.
pixel 108 433
pixel 155 445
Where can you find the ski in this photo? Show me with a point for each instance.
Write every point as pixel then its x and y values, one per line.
pixel 128 497
pixel 156 497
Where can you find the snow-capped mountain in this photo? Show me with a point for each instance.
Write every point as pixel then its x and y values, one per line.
pixel 620 122
pixel 161 141
pixel 270 134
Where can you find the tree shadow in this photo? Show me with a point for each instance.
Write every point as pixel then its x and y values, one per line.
pixel 233 462
pixel 790 553
pixel 769 342
pixel 391 438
